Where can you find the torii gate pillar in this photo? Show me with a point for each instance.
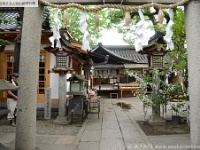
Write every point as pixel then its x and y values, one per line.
pixel 28 71
pixel 192 23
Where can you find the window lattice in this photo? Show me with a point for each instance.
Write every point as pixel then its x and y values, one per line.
pixel 61 61
pixel 157 61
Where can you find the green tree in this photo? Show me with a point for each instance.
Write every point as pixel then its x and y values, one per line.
pixel 74 16
pixel 109 18
pixel 179 55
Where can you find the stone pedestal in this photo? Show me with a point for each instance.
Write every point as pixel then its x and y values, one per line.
pixel 61 118
pixel 155 118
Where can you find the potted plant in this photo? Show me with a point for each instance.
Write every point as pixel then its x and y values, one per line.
pixel 3 44
pixel 177 108
pixel 176 93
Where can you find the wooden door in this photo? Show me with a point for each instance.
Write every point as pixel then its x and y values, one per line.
pixel 43 79
pixel 7 69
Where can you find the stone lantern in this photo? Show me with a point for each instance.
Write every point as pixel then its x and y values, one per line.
pixel 62 67
pixel 155 56
pixel 63 59
pixel 155 53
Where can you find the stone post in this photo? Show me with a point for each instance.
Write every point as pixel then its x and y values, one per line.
pixel 61 118
pixel 192 23
pixel 28 79
pixel 155 118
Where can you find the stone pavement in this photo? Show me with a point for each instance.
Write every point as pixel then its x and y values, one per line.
pixel 116 129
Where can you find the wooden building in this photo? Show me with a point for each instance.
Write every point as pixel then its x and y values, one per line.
pixel 47 79
pixel 110 75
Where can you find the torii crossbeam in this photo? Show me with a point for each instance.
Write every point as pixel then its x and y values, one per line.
pixel 93 2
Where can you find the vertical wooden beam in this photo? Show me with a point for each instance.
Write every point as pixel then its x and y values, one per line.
pixel 17 44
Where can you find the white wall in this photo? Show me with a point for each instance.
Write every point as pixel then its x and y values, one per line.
pixel 9 47
pixel 53 78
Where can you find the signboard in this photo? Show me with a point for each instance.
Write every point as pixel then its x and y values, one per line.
pixel 47 105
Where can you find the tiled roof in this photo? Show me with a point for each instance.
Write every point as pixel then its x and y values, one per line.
pixel 125 53
pixel 109 66
pixel 11 15
pixel 158 36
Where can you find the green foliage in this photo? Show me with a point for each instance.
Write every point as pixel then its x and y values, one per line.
pixel 4 20
pixel 178 107
pixel 74 16
pixel 109 18
pixel 158 99
pixel 4 42
pixel 179 55
pixel 115 16
pixel 175 89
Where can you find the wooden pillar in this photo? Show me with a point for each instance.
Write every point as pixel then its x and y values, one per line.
pixel 17 53
pixel 28 78
pixel 192 23
pixel 17 44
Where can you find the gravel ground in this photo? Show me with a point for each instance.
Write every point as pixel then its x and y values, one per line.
pixel 44 127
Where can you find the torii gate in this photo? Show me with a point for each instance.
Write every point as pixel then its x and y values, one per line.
pixel 29 60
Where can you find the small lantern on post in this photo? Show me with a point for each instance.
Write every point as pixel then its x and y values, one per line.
pixel 155 58
pixel 63 62
pixel 63 59
pixel 154 53
pixel 62 67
